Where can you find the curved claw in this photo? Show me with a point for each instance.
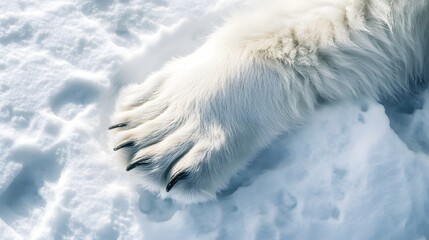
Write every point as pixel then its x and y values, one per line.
pixel 175 179
pixel 119 125
pixel 122 145
pixel 136 163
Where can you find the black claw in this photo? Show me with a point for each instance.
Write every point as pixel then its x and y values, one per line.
pixel 136 163
pixel 175 179
pixel 119 125
pixel 122 145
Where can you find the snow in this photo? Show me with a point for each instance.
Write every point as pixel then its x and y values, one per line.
pixel 356 170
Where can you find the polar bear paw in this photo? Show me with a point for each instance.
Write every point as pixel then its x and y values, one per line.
pixel 185 134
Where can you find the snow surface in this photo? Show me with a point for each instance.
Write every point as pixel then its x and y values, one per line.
pixel 355 171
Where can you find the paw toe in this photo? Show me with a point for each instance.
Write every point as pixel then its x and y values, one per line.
pixel 136 95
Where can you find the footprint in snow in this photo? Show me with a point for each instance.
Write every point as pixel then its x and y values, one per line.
pixel 26 175
pixel 73 97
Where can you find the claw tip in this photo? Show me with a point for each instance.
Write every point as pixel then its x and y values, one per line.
pixel 122 145
pixel 175 179
pixel 136 163
pixel 119 125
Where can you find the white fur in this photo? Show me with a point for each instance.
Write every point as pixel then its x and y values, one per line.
pixel 261 74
